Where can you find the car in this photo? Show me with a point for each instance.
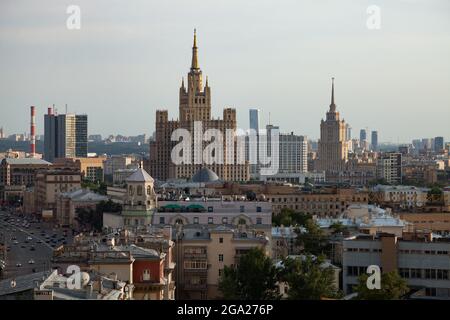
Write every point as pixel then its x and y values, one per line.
pixel 31 261
pixel 29 238
pixel 16 242
pixel 18 264
pixel 39 242
pixel 26 241
pixel 32 248
pixel 23 246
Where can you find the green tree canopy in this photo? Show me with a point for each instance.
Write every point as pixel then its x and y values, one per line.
pixel 393 287
pixel 254 278
pixel 308 278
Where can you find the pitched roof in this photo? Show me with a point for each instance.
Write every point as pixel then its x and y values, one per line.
pixel 26 161
pixel 139 176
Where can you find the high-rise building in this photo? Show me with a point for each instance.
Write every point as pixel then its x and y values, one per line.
pixel 194 110
pixel 374 140
pixel 333 148
pixel 348 129
pixel 438 144
pixel 254 119
pixel 389 167
pixel 293 155
pixel 65 136
pixel 252 145
pixel 362 135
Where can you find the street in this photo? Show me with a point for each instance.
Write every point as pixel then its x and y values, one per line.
pixel 29 244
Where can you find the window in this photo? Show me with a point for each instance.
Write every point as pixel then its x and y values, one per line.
pixel 221 257
pixel 130 190
pixel 210 220
pixel 210 209
pixel 195 264
pixel 258 220
pixel 220 240
pixel 224 220
pixel 149 190
pixel 220 272
pixel 258 209
pixel 139 190
pixel 242 208
pixel 162 220
pixel 146 275
pixel 179 221
pixel 195 220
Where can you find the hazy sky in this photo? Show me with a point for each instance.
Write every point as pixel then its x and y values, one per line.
pixel 128 58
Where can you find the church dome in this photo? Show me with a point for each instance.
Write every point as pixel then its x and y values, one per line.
pixel 205 175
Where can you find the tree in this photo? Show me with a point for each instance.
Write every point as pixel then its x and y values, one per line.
pixel 393 287
pixel 308 278
pixel 288 217
pixel 93 219
pixel 254 278
pixel 338 227
pixel 313 240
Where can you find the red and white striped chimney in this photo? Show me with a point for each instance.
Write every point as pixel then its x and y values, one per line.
pixel 33 132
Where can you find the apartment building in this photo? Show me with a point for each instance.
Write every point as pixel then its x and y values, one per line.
pixel 201 255
pixel 51 183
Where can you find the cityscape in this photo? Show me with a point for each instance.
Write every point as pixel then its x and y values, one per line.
pixel 205 208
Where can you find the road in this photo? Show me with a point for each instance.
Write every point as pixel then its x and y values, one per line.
pixel 44 239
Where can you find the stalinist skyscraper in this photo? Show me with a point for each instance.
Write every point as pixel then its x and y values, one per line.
pixel 333 149
pixel 194 107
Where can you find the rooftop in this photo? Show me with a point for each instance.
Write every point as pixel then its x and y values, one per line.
pixel 24 161
pixel 139 176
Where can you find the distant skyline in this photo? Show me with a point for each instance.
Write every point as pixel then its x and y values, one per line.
pixel 127 61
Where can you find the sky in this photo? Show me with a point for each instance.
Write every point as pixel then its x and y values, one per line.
pixel 128 58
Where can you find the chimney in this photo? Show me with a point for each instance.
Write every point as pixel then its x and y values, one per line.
pixel 33 132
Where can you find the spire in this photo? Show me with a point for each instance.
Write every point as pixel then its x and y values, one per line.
pixel 206 85
pixel 182 82
pixel 332 105
pixel 194 65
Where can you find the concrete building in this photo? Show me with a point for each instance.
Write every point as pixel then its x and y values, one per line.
pixel 117 162
pixel 389 167
pixel 91 168
pixel 202 253
pixel 327 202
pixel 195 110
pixel 65 136
pixel 51 183
pixel 18 173
pixel 399 196
pixel 214 212
pixel 67 204
pixel 438 144
pixel 423 261
pixel 374 140
pixel 333 147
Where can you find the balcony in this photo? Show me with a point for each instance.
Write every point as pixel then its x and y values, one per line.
pixel 195 256
pixel 195 286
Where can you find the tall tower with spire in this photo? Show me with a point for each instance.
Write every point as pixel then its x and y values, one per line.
pixel 195 100
pixel 194 106
pixel 333 147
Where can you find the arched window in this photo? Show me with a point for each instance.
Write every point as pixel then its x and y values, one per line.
pixel 149 190
pixel 139 190
pixel 179 221
pixel 130 190
pixel 242 221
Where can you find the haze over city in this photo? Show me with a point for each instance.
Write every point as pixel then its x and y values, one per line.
pixel 127 61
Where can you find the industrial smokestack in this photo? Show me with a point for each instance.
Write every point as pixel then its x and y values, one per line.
pixel 50 111
pixel 33 132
